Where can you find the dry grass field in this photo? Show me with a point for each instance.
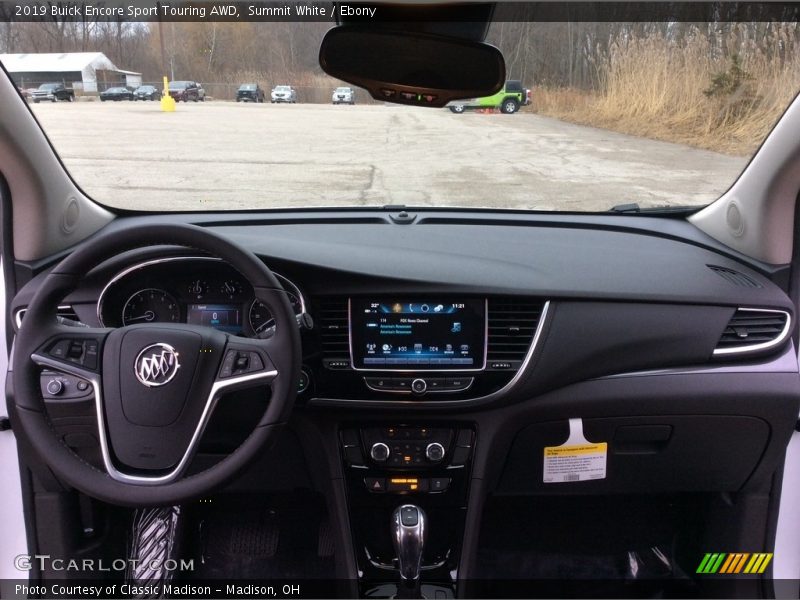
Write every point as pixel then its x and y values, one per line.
pixel 661 89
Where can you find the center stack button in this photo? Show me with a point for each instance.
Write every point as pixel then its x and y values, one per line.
pixel 419 386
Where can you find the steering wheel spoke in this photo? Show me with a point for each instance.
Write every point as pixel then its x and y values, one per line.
pixel 246 363
pixel 73 351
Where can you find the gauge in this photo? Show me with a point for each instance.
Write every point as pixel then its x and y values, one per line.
pixel 231 288
pixel 149 306
pixel 198 288
pixel 261 320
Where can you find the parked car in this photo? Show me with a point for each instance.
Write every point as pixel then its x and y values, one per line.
pixel 250 92
pixel 344 95
pixel 508 100
pixel 116 94
pixel 201 93
pixel 53 92
pixel 184 91
pixel 146 92
pixel 283 93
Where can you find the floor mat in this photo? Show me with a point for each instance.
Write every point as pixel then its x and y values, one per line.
pixel 241 539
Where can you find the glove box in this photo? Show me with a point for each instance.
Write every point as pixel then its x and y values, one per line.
pixel 675 453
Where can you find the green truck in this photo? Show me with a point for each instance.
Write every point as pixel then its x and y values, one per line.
pixel 508 100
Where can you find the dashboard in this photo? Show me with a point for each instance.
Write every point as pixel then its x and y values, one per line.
pixel 443 357
pixel 529 305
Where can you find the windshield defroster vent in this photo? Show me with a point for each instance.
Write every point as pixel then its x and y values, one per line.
pixel 753 330
pixel 334 332
pixel 512 326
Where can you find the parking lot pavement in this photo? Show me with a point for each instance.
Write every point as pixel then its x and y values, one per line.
pixel 227 155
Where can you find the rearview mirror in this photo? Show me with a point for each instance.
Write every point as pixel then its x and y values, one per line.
pixel 410 67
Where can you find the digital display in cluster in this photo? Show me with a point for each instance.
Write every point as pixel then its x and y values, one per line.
pixel 225 317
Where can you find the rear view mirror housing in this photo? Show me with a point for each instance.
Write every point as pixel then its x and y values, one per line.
pixel 407 67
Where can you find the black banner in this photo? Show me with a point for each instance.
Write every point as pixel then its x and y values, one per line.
pixel 240 11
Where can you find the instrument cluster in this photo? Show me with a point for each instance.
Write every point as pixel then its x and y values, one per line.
pixel 195 290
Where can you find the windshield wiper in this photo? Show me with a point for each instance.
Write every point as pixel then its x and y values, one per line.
pixel 634 208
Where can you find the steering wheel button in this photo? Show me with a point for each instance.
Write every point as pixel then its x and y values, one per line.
pixel 242 362
pixel 75 350
pixel 55 387
pixel 256 364
pixel 227 364
pixel 60 349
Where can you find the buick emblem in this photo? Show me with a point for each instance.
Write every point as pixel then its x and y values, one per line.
pixel 156 365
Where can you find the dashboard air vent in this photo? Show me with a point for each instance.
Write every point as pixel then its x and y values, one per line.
pixel 334 333
pixel 751 330
pixel 735 277
pixel 512 325
pixel 64 311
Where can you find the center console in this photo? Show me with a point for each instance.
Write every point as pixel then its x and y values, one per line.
pixel 389 465
pixel 415 349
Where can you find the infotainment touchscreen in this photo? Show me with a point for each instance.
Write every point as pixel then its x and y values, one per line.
pixel 389 334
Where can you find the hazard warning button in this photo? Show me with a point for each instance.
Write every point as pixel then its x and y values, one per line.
pixel 375 484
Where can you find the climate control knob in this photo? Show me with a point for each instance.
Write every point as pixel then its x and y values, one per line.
pixel 379 452
pixel 434 452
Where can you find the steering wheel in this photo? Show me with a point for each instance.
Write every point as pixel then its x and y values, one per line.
pixel 155 385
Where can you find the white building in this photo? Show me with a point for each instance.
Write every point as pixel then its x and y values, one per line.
pixel 83 71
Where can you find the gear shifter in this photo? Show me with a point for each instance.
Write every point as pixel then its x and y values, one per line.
pixel 408 536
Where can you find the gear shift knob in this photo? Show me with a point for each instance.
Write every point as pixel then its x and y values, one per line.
pixel 408 536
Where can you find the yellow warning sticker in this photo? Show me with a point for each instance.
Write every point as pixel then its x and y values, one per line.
pixel 576 460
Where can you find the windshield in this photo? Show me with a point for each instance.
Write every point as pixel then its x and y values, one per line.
pixel 657 114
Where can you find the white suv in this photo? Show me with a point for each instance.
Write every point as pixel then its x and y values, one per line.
pixel 343 95
pixel 283 93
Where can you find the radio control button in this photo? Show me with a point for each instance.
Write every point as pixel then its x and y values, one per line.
pixel 402 384
pixel 455 384
pixel 379 383
pixel 419 386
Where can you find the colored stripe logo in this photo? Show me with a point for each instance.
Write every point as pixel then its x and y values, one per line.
pixel 734 563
